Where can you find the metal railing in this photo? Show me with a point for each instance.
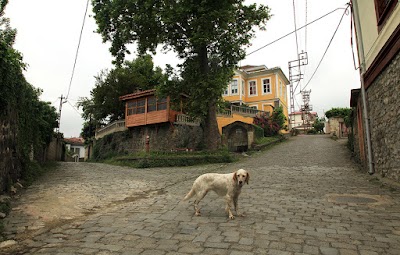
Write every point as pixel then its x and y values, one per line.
pixel 242 110
pixel 184 119
pixel 115 126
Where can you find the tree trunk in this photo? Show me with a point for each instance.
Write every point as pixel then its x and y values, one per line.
pixel 212 138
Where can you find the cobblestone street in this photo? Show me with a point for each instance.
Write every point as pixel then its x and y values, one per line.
pixel 305 196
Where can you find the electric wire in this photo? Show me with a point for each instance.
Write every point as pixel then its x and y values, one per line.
pixel 77 49
pixel 295 28
pixel 286 35
pixel 305 37
pixel 326 50
pixel 73 107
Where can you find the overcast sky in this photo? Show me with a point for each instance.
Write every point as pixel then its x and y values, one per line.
pixel 48 34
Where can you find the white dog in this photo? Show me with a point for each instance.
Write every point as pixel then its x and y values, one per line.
pixel 227 185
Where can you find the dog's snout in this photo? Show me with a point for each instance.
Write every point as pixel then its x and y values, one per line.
pixel 240 182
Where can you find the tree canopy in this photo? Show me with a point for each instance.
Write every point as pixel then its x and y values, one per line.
pixel 104 105
pixel 209 36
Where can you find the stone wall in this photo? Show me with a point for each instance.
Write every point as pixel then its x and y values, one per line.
pixel 10 167
pixel 162 137
pixel 383 101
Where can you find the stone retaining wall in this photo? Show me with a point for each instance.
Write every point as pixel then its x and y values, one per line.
pixel 383 98
pixel 10 167
pixel 383 104
pixel 162 137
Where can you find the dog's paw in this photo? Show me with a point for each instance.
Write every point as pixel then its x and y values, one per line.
pixel 197 213
pixel 241 215
pixel 231 217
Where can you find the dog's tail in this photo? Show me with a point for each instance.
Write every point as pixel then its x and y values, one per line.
pixel 189 195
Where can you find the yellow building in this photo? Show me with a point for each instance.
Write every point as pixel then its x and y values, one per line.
pixel 258 87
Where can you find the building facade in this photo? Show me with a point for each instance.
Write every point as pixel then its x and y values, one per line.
pixel 258 87
pixel 302 121
pixel 376 104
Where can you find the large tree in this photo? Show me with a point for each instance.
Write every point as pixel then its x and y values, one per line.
pixel 104 105
pixel 208 35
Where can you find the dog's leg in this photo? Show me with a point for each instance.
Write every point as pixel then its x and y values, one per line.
pixel 235 203
pixel 199 197
pixel 228 207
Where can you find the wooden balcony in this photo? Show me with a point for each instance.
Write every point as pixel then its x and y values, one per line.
pixel 144 108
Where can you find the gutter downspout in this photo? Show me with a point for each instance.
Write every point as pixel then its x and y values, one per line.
pixel 363 95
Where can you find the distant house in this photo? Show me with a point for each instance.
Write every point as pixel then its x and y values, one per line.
pixel 144 108
pixel 303 121
pixel 336 126
pixel 376 104
pixel 76 146
pixel 258 87
pixel 157 124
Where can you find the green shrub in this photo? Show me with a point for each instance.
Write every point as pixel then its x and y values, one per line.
pixel 312 131
pixel 171 159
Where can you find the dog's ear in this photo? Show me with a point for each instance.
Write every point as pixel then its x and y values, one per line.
pixel 234 176
pixel 247 178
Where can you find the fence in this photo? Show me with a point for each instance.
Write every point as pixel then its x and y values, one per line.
pixel 115 126
pixel 184 119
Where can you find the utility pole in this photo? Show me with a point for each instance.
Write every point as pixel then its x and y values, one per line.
pixel 62 101
pixel 302 60
pixel 305 109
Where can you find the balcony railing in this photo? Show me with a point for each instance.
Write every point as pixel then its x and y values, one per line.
pixel 183 119
pixel 240 110
pixel 115 126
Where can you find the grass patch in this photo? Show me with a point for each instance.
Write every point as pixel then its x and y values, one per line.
pixel 171 159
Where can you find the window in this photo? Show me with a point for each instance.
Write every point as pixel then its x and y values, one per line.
pixel 161 104
pixel 155 104
pixel 234 87
pixel 383 9
pixel 226 91
pixel 136 106
pixel 76 151
pixel 252 88
pixel 266 86
pixel 151 104
pixel 132 107
pixel 141 103
pixel 242 87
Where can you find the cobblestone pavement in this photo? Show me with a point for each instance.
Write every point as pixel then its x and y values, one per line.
pixel 305 196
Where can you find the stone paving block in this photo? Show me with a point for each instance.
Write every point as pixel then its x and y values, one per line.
pixel 348 252
pixel 278 252
pixel 240 253
pixel 213 251
pixel 308 249
pixel 329 251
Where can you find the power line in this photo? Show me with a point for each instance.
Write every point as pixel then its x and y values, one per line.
pixel 305 36
pixel 280 38
pixel 326 50
pixel 77 49
pixel 73 107
pixel 295 28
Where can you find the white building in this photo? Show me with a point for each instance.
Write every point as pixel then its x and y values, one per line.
pixel 76 146
pixel 302 121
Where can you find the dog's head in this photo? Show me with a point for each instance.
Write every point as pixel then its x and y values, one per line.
pixel 241 176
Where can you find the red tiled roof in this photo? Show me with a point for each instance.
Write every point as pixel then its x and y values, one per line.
pixel 74 140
